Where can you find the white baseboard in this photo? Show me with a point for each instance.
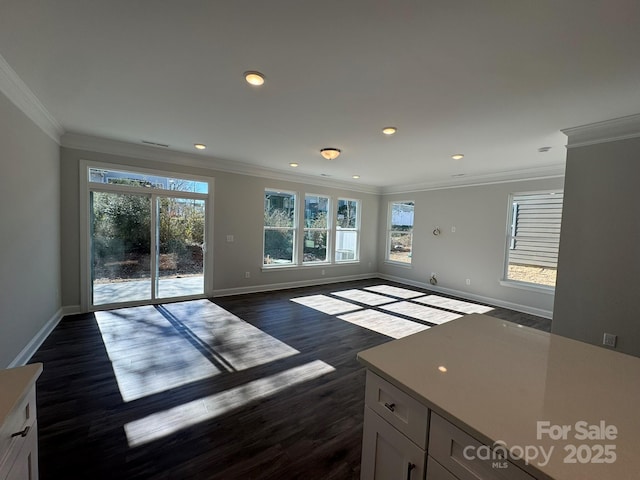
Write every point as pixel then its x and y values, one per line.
pixel 27 352
pixel 283 286
pixel 470 296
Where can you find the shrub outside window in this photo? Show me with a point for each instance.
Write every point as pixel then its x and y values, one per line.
pixel 316 228
pixel 279 228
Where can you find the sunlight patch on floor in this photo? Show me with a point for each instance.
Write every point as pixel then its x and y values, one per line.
pixel 428 314
pixel 239 344
pixel 361 296
pixel 389 325
pixel 452 304
pixel 325 304
pixel 147 354
pixel 154 349
pixel 395 291
pixel 162 424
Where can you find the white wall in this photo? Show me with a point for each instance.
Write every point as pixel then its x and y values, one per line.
pixel 238 211
pixel 599 262
pixel 475 251
pixel 29 231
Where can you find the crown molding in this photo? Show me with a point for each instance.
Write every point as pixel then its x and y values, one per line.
pixel 601 132
pixel 538 173
pixel 107 146
pixel 12 86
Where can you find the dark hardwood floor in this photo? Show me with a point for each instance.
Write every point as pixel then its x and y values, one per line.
pixel 247 387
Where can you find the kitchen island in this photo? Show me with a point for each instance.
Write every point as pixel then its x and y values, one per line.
pixel 562 409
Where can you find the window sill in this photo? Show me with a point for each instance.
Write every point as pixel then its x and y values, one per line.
pixel 308 266
pixel 399 264
pixel 528 286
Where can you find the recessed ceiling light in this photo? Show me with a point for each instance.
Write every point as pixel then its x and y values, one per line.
pixel 389 130
pixel 254 78
pixel 293 164
pixel 457 156
pixel 200 146
pixel 356 176
pixel 330 153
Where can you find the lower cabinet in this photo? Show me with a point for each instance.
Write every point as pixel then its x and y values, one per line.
pixel 394 443
pixel 18 423
pixel 387 454
pixel 25 466
pixel 435 471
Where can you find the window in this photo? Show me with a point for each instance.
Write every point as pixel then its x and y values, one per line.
pixel 347 230
pixel 316 228
pixel 327 231
pixel 145 180
pixel 279 228
pixel 533 237
pixel 400 232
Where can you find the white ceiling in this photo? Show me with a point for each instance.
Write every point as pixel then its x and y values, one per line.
pixel 495 80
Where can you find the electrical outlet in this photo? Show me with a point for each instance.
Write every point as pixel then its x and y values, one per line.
pixel 468 281
pixel 453 229
pixel 322 271
pixel 609 339
pixel 247 274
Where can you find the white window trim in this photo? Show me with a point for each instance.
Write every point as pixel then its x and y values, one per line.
pixel 357 230
pixel 296 231
pixel 505 281
pixel 329 229
pixel 299 230
pixel 388 260
pixel 85 252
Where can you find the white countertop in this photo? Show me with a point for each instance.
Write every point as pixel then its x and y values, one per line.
pixel 15 383
pixel 502 379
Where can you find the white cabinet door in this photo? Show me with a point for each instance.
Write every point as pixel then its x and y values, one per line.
pixel 25 466
pixel 387 454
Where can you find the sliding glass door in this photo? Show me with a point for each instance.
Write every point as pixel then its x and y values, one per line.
pixel 147 237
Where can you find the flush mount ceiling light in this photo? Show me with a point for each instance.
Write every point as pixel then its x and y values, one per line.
pixel 254 78
pixel 330 153
pixel 200 146
pixel 457 156
pixel 355 176
pixel 293 164
pixel 389 130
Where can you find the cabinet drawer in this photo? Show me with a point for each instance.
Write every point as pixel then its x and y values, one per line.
pixel 387 454
pixel 399 409
pixel 448 444
pixel 435 471
pixel 21 417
